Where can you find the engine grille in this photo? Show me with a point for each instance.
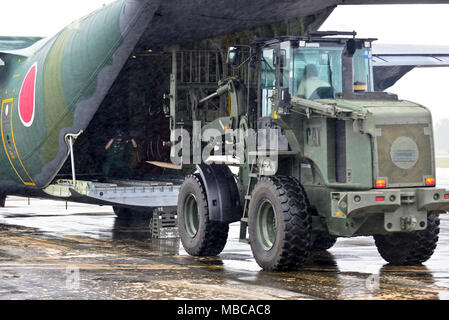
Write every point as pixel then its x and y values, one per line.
pixel 404 154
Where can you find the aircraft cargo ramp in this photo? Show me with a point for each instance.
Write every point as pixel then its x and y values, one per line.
pixel 129 193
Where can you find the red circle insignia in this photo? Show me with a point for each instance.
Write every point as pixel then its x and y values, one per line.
pixel 27 97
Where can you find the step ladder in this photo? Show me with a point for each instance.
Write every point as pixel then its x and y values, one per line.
pixel 254 176
pixel 164 224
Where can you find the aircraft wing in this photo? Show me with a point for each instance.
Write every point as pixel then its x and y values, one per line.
pixel 184 21
pixel 392 62
pixel 14 43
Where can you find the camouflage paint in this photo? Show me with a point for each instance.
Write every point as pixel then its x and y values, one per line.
pixel 74 71
pixel 89 55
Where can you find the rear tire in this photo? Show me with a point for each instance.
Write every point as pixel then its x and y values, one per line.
pixel 412 248
pixel 199 235
pixel 280 224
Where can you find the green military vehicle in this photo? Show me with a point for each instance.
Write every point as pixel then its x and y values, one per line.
pixel 320 155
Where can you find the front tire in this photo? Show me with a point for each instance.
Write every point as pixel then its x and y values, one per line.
pixel 2 200
pixel 322 241
pixel 280 224
pixel 199 235
pixel 412 248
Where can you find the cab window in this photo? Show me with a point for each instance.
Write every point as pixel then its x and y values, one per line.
pixel 363 70
pixel 316 72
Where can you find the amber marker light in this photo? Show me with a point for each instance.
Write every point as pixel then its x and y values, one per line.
pixel 381 183
pixel 430 181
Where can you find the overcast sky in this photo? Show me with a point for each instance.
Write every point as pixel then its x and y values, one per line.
pixel 412 24
pixel 407 24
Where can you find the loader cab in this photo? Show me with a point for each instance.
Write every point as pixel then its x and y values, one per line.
pixel 314 67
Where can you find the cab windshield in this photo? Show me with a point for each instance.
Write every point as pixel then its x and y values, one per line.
pixel 312 72
pixel 317 72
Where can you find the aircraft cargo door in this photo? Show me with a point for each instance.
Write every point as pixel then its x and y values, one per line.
pixel 9 143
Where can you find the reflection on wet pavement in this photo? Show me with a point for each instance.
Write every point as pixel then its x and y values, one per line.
pixel 84 252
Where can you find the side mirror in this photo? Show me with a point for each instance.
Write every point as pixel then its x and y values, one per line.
pixel 233 58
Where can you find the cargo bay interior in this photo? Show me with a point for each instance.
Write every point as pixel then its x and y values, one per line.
pixel 137 105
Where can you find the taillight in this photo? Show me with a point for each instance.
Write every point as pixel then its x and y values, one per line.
pixel 430 181
pixel 380 198
pixel 381 183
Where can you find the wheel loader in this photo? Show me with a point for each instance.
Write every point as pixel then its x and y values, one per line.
pixel 318 155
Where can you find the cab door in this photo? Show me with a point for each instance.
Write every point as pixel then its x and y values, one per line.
pixel 275 73
pixel 267 80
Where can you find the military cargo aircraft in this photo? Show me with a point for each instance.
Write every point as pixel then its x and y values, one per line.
pixel 118 74
pixel 51 89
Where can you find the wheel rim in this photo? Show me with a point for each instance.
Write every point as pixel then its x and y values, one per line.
pixel 266 225
pixel 191 216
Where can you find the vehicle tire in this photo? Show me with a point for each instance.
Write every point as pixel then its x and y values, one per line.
pixel 280 224
pixel 121 213
pixel 2 200
pixel 199 235
pixel 132 229
pixel 322 241
pixel 124 213
pixel 412 248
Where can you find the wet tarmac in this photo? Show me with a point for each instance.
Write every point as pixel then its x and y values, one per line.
pixel 48 251
pixel 84 252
